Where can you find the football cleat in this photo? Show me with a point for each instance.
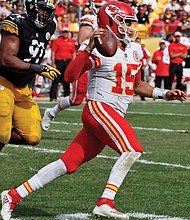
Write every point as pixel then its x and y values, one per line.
pixel 8 203
pixel 105 208
pixel 47 119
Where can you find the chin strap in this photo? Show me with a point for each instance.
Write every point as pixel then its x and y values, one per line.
pixel 126 41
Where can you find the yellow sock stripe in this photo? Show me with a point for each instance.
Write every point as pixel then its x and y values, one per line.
pixel 112 129
pixel 112 187
pixel 28 187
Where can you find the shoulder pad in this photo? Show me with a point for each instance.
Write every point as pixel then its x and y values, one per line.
pixel 11 23
pixel 88 20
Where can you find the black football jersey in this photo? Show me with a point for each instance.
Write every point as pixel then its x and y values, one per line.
pixel 33 42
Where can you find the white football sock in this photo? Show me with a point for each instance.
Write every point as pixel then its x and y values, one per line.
pixel 38 90
pixel 119 172
pixel 63 104
pixel 44 176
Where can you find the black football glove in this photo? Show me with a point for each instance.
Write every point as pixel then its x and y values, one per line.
pixel 49 72
pixel 44 70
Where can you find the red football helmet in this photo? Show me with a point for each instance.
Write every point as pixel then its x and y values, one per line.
pixel 95 5
pixel 117 16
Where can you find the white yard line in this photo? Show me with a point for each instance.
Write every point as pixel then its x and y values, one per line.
pixel 86 216
pixel 151 113
pixel 45 150
pixel 162 130
pixel 66 123
pixel 60 131
pixel 15 219
pixel 132 112
pixel 3 154
pixel 140 215
pixel 137 128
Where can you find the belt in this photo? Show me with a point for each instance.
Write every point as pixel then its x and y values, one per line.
pixel 64 60
pixel 67 60
pixel 177 63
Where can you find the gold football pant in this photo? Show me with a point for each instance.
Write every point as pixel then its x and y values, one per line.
pixel 19 110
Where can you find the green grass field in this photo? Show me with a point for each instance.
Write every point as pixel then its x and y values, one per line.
pixel 157 187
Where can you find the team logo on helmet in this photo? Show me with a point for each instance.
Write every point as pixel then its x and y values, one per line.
pixel 112 10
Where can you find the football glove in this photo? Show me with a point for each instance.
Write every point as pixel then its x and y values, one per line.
pixel 44 70
pixel 49 72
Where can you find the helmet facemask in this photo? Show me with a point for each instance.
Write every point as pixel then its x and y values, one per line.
pixel 129 34
pixel 124 31
pixel 43 16
pixel 40 12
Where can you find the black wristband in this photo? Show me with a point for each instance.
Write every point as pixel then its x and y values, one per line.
pixel 35 68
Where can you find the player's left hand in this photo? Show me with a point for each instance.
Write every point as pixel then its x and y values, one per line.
pixel 94 35
pixel 49 72
pixel 176 94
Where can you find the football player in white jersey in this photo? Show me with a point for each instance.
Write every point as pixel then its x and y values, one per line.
pixel 112 82
pixel 88 23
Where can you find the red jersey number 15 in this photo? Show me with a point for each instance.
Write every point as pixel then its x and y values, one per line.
pixel 132 69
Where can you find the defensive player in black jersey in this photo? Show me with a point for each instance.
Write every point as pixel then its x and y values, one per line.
pixel 24 39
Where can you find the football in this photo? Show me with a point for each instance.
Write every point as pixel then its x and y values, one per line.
pixel 106 44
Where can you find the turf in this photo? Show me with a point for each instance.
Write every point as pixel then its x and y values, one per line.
pixel 158 183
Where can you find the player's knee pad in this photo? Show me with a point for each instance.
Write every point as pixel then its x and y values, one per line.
pixel 130 157
pixel 73 157
pixel 136 155
pixel 33 140
pixel 126 160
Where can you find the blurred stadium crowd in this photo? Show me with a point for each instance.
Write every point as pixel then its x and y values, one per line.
pixel 157 19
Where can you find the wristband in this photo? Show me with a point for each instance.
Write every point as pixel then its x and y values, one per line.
pixel 35 68
pixel 159 93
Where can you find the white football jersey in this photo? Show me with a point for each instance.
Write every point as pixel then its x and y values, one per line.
pixel 90 20
pixel 111 79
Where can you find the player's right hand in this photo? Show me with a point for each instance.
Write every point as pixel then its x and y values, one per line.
pixel 176 94
pixel 49 72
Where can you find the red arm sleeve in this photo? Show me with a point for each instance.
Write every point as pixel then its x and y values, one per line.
pixel 77 67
